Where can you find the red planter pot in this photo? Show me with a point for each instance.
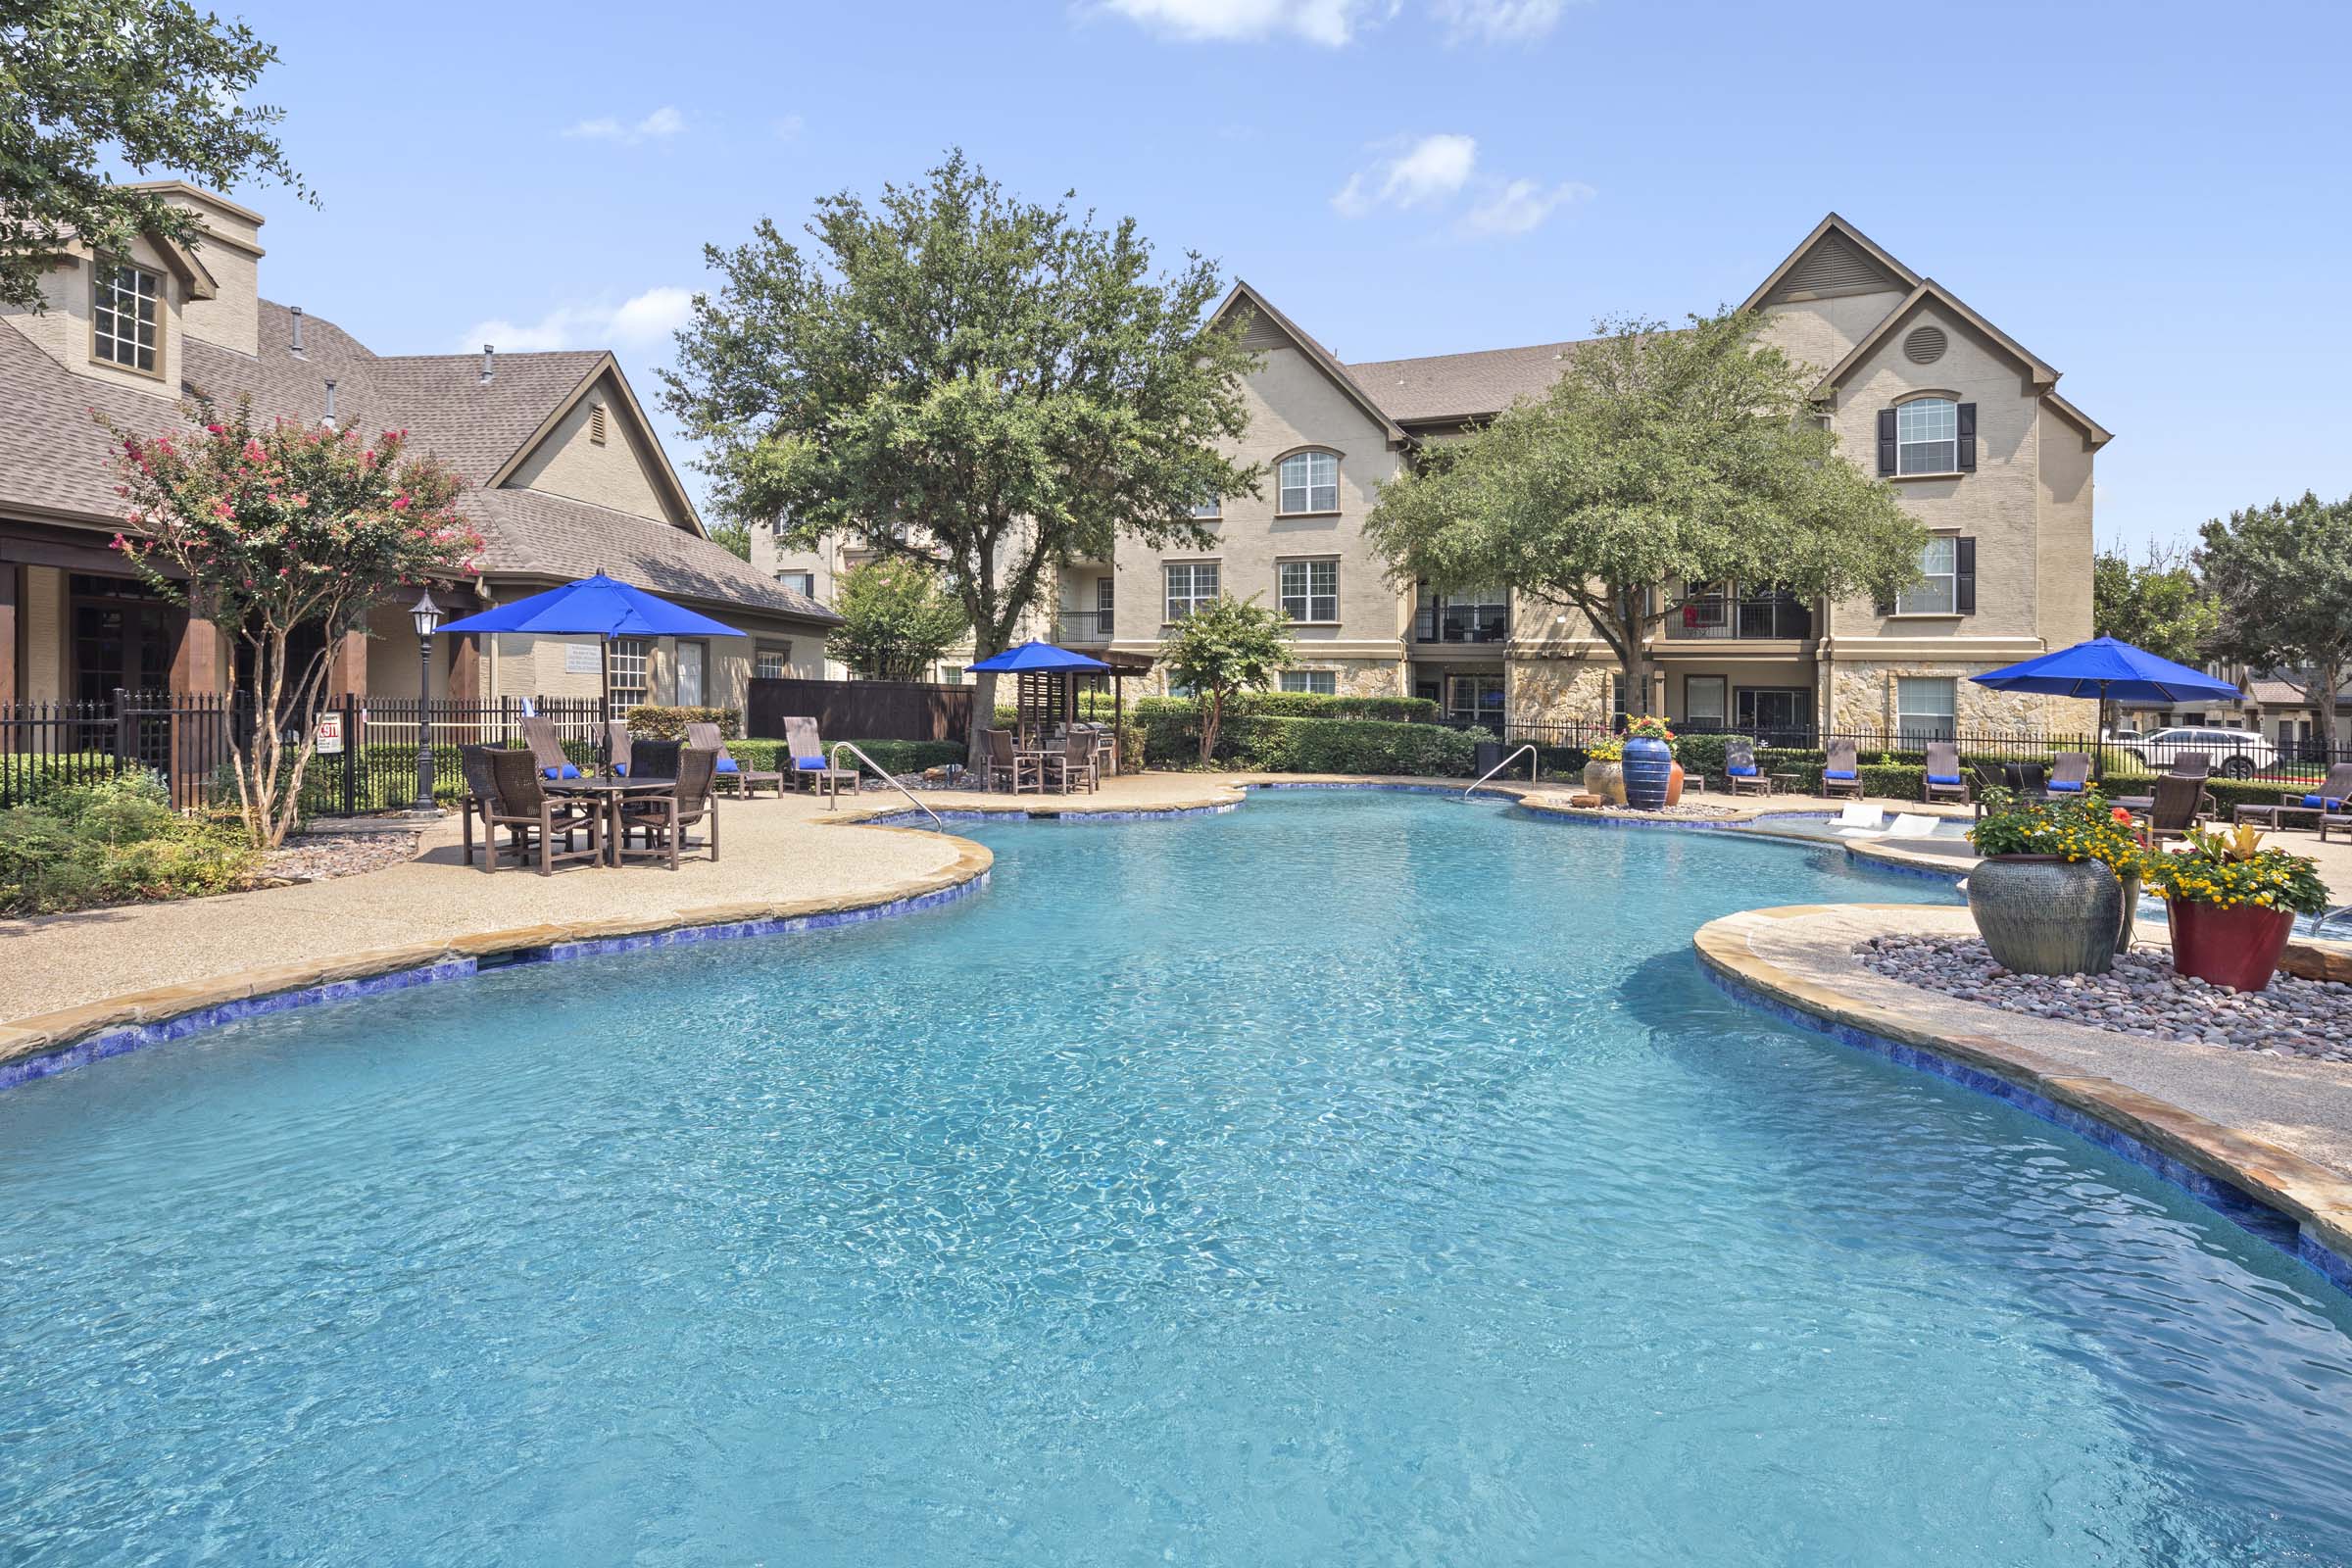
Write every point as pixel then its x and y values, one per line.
pixel 2237 948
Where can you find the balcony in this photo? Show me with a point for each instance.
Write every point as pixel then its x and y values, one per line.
pixel 1440 621
pixel 1769 615
pixel 1082 628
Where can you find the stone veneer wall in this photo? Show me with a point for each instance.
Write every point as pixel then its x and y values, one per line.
pixel 1862 697
pixel 1560 691
pixel 1357 678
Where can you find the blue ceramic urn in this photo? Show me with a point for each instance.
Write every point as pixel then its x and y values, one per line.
pixel 1649 768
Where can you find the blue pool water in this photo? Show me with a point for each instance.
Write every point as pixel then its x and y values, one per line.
pixel 1350 1179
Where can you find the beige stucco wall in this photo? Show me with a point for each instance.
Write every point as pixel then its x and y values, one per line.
pixel 1291 405
pixel 1821 332
pixel 392 653
pixel 2067 545
pixel 63 329
pixel 42 618
pixel 618 473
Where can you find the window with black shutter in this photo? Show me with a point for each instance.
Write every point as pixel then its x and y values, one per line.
pixel 1885 440
pixel 1967 438
pixel 1964 550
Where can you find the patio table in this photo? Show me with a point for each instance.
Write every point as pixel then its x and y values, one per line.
pixel 607 793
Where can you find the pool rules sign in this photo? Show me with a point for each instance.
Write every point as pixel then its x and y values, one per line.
pixel 330 733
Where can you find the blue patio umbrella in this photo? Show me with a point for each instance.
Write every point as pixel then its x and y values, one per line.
pixel 2111 671
pixel 595 607
pixel 1037 659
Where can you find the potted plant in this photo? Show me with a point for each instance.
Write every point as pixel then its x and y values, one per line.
pixel 2048 898
pixel 1648 761
pixel 1604 771
pixel 2233 904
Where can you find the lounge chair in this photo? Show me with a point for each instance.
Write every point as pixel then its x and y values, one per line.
pixel 2179 803
pixel 1945 780
pixel 732 776
pixel 1859 821
pixel 1740 774
pixel 2070 773
pixel 547 749
pixel 506 790
pixel 1911 825
pixel 2333 800
pixel 811 768
pixel 2192 764
pixel 1842 773
pixel 662 819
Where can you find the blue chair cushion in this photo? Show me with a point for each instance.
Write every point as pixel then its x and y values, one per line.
pixel 1943 778
pixel 2319 803
pixel 726 765
pixel 2065 786
pixel 621 769
pixel 807 764
pixel 1738 770
pixel 1838 772
pixel 565 771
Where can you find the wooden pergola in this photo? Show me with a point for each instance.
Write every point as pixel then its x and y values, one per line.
pixel 1047 697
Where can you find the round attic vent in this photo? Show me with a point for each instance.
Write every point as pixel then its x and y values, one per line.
pixel 1925 345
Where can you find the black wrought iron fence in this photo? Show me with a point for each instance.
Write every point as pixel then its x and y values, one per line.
pixel 176 738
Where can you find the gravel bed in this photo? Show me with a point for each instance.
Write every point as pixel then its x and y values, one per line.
pixel 1687 809
pixel 2140 996
pixel 316 856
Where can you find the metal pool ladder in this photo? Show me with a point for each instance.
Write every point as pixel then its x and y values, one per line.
pixel 850 747
pixel 1528 751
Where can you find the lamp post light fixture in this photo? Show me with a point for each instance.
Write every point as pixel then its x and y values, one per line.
pixel 427 616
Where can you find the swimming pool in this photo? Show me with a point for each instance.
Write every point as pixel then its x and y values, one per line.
pixel 1349 1178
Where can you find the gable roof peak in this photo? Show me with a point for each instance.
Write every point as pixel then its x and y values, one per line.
pixel 1243 296
pixel 1834 257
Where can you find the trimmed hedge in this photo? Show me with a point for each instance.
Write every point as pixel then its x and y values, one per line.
pixel 1276 743
pixel 896 757
pixel 669 723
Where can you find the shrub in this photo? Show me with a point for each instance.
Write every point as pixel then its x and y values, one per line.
pixel 30 778
pixel 896 756
pixel 669 723
pixel 114 840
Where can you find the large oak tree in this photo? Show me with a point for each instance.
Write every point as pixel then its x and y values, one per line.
pixel 989 387
pixel 1661 463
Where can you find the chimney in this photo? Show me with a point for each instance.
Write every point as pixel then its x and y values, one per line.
pixel 489 363
pixel 297 345
pixel 330 403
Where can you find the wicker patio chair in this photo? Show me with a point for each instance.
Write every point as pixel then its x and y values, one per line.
pixel 1080 762
pixel 547 748
pixel 651 759
pixel 2070 773
pixel 1945 779
pixel 811 768
pixel 733 778
pixel 520 804
pixel 481 803
pixel 1016 770
pixel 1740 774
pixel 664 819
pixel 617 745
pixel 2180 800
pixel 1842 773
pixel 2192 764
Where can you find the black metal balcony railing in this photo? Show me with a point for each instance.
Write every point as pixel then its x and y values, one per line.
pixel 1461 623
pixel 1072 627
pixel 1761 616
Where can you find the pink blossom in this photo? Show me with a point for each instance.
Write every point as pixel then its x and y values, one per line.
pixel 216 429
pixel 254 452
pixel 221 509
pixel 399 503
pixel 120 543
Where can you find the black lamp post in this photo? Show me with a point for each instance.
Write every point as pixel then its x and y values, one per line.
pixel 427 616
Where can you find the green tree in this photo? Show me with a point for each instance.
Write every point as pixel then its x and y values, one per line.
pixel 264 531
pixel 1223 647
pixel 1662 462
pixel 2158 603
pixel 985 387
pixel 2282 575
pixel 896 620
pixel 733 537
pixel 155 86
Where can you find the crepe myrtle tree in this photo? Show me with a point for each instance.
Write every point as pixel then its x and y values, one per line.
pixel 1661 463
pixel 988 388
pixel 1224 647
pixel 896 619
pixel 2282 575
pixel 264 531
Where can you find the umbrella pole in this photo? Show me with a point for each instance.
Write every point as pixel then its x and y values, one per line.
pixel 604 730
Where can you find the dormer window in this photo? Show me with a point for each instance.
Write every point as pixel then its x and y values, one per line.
pixel 122 316
pixel 596 424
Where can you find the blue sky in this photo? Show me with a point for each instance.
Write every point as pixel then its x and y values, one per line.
pixel 2152 198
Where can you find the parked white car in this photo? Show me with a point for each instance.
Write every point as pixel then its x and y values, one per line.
pixel 2235 753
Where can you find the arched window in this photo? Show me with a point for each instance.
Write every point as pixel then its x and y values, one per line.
pixel 1309 482
pixel 1926 436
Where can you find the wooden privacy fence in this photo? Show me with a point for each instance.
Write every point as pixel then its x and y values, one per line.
pixel 860 709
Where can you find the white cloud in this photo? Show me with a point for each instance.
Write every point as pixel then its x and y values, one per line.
pixel 1517 205
pixel 1425 172
pixel 1331 22
pixel 644 322
pixel 660 125
pixel 1498 21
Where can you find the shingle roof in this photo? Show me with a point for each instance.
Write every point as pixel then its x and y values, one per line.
pixel 1455 386
pixel 56 459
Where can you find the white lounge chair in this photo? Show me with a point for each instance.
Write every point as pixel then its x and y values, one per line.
pixel 1859 820
pixel 1911 825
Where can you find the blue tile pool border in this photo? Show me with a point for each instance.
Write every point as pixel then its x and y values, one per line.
pixel 2272 1226
pixel 122 1039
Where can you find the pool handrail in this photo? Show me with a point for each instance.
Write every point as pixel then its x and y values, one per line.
pixel 1529 748
pixel 891 778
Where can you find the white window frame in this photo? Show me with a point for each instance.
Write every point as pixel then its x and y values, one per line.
pixel 1318 682
pixel 631 661
pixel 780 654
pixel 1938 592
pixel 113 283
pixel 1316 485
pixel 1915 724
pixel 1310 590
pixel 1723 700
pixel 1926 436
pixel 801 582
pixel 1209 510
pixel 1200 580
